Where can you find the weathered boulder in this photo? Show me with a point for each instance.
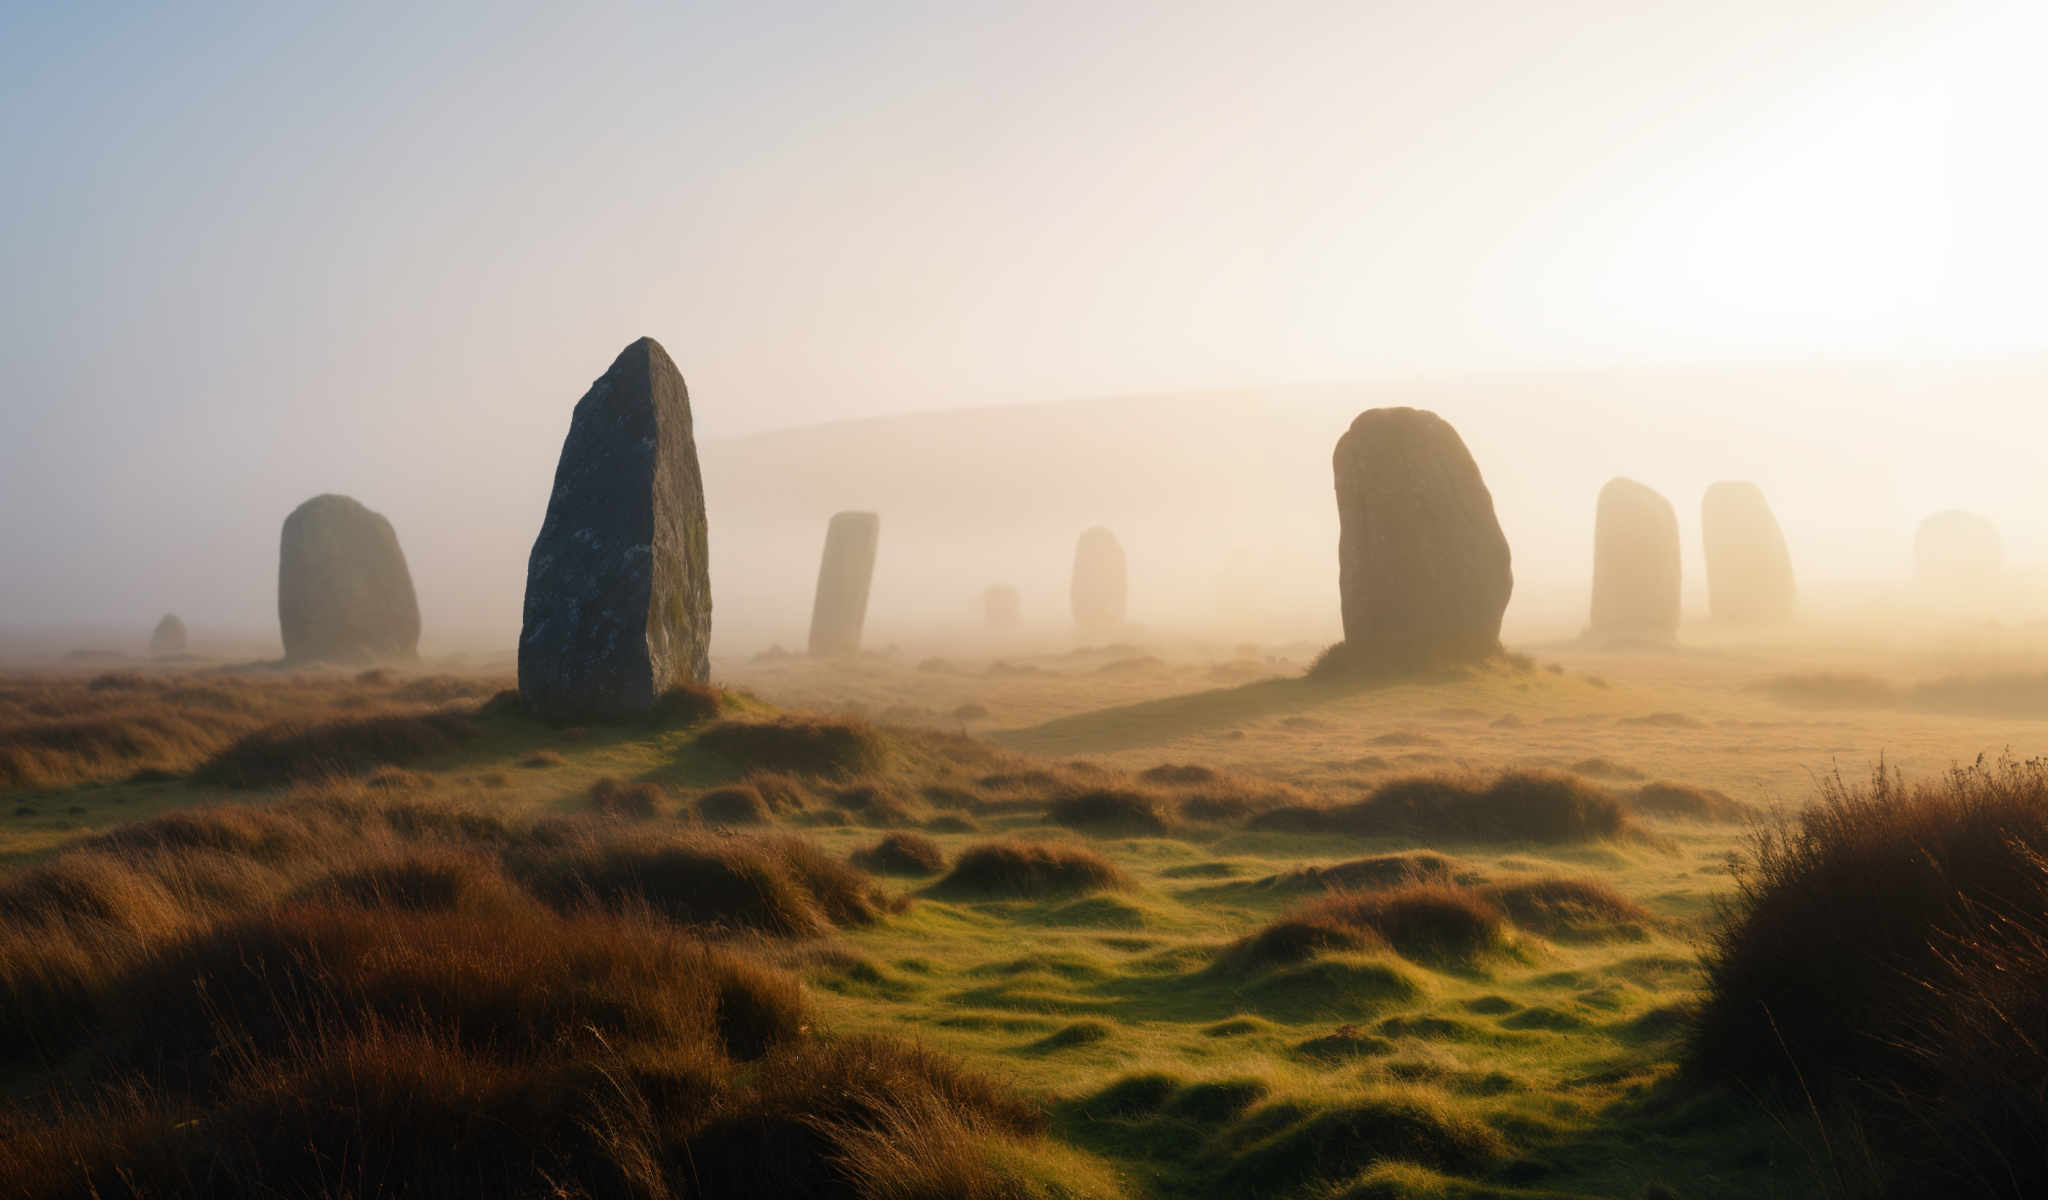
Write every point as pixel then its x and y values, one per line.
pixel 169 637
pixel 618 588
pixel 846 571
pixel 1101 585
pixel 1635 563
pixel 1749 569
pixel 344 593
pixel 1423 568
pixel 1957 550
pixel 1002 608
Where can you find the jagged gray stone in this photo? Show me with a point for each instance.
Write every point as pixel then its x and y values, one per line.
pixel 1636 571
pixel 618 587
pixel 169 636
pixel 1424 571
pixel 344 593
pixel 846 571
pixel 1749 568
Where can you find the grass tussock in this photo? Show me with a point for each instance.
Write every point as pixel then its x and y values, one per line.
pixel 296 751
pixel 2009 694
pixel 1565 909
pixel 1685 802
pixel 738 804
pixel 1831 689
pixel 1426 922
pixel 872 804
pixel 803 746
pixel 1020 869
pixel 688 704
pixel 1886 962
pixel 59 731
pixel 785 794
pixel 639 801
pixel 1365 874
pixel 352 990
pixel 1179 775
pixel 1342 1140
pixel 1519 806
pixel 780 886
pixel 901 854
pixel 1435 920
pixel 1114 811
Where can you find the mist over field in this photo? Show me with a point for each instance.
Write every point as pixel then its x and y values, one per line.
pixel 1675 245
pixel 957 600
pixel 1222 499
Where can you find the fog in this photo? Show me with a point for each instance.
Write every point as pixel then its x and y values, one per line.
pixel 1002 274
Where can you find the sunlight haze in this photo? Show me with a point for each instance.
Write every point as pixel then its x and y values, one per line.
pixel 257 253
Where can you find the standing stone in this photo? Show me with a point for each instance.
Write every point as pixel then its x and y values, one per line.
pixel 343 591
pixel 1101 584
pixel 1423 568
pixel 845 573
pixel 169 637
pixel 1635 563
pixel 1002 608
pixel 618 588
pixel 1749 570
pixel 1957 550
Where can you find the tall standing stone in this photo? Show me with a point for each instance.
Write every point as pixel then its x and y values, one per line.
pixel 169 636
pixel 1101 584
pixel 846 571
pixel 1749 569
pixel 618 588
pixel 1635 563
pixel 1423 568
pixel 1002 609
pixel 344 593
pixel 1957 550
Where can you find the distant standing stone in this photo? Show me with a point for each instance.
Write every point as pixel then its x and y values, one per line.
pixel 1001 608
pixel 1101 584
pixel 1749 569
pixel 618 588
pixel 1636 568
pixel 1957 549
pixel 344 593
pixel 846 571
pixel 1423 568
pixel 169 637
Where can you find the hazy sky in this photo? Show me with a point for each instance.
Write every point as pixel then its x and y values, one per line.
pixel 255 252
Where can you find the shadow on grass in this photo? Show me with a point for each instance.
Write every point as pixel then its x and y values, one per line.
pixel 1156 721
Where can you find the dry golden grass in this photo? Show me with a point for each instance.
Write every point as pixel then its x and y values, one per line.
pixel 350 988
pixel 61 730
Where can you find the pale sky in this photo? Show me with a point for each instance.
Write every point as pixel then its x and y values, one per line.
pixel 255 252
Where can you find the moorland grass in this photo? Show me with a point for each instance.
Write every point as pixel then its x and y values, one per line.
pixel 1517 806
pixel 298 751
pixel 1883 963
pixel 804 746
pixel 1021 869
pixel 1113 811
pixel 2008 694
pixel 63 730
pixel 637 801
pixel 347 992
pixel 1830 689
pixel 739 804
pixel 1426 922
pixel 1686 802
pixel 901 854
pixel 780 886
